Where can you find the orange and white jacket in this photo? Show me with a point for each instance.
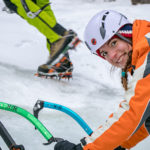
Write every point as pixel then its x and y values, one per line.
pixel 131 123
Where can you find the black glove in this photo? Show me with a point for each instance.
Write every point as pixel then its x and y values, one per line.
pixel 66 145
pixel 119 148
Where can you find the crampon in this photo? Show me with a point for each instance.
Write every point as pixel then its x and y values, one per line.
pixel 67 75
pixel 61 70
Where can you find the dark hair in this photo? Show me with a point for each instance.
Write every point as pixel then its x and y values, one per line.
pixel 124 77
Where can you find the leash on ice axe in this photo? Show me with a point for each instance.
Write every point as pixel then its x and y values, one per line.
pixel 11 144
pixel 38 125
pixel 30 14
pixel 39 105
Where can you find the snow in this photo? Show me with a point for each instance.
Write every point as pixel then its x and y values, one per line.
pixel 94 92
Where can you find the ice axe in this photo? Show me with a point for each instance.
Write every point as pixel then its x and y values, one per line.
pixel 41 128
pixel 39 105
pixel 11 144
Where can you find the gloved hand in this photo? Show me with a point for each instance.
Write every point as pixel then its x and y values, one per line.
pixel 66 145
pixel 17 147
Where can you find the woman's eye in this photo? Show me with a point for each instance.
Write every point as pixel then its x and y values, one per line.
pixel 113 43
pixel 103 54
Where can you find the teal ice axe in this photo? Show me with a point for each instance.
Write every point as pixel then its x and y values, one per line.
pixel 41 128
pixel 42 104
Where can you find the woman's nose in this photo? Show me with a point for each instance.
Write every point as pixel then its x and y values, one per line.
pixel 112 55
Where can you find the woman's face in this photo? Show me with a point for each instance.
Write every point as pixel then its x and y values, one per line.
pixel 116 51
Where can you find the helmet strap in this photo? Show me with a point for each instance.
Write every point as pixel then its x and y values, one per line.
pixel 124 38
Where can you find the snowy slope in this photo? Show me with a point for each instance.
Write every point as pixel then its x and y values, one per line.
pixel 91 92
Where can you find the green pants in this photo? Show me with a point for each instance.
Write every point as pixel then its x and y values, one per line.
pixel 45 22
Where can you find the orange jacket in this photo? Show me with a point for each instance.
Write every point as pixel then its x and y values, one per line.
pixel 131 123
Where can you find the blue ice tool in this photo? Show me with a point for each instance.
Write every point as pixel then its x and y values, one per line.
pixel 41 104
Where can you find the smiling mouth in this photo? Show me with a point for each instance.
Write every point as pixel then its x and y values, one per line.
pixel 120 58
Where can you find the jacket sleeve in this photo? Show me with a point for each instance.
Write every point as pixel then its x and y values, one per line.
pixel 136 138
pixel 131 115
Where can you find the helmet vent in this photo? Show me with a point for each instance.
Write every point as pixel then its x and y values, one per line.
pixel 122 16
pixel 102 28
pixel 102 32
pixel 87 45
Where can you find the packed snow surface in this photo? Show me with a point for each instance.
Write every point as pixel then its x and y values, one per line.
pixel 94 92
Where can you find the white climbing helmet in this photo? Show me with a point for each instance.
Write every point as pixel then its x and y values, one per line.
pixel 102 27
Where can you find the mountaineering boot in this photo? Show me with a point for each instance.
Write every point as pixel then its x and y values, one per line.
pixel 59 64
pixel 62 69
pixel 59 48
